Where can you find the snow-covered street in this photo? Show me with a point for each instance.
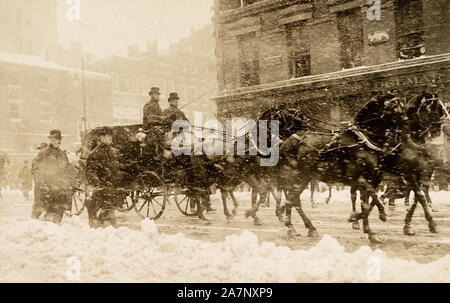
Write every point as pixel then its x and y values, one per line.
pixel 181 249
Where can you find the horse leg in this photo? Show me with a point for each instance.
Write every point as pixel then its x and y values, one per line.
pixel 312 189
pixel 366 208
pixel 426 190
pixel 381 211
pixel 256 188
pixel 200 210
pixel 227 214
pixel 235 203
pixel 419 197
pixel 407 194
pixel 277 196
pixel 431 223
pixel 329 195
pixel 312 231
pixel 355 224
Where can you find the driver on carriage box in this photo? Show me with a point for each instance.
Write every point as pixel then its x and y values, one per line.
pixel 152 119
pixel 103 172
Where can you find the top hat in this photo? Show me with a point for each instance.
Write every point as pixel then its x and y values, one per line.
pixel 56 133
pixel 42 146
pixel 173 96
pixel 154 90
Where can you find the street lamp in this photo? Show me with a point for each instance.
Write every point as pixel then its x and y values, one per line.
pixel 76 82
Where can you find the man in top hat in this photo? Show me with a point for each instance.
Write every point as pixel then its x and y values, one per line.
pixel 172 113
pixel 52 181
pixel 103 171
pixel 152 111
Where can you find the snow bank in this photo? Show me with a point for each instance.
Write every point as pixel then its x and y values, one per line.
pixel 34 251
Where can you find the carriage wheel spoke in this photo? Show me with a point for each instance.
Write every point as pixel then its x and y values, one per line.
pixel 143 204
pixel 154 210
pixel 156 201
pixel 148 207
pixel 76 205
pixel 187 203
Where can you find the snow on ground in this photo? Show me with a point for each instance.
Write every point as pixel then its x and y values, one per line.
pixel 34 251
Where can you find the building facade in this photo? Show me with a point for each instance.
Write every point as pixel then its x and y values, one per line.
pixel 328 56
pixel 29 28
pixel 186 68
pixel 37 96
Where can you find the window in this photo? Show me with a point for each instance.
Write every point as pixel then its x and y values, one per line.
pixel 230 4
pixel 299 50
pixel 123 81
pixel 170 86
pixel 115 81
pixel 141 85
pixel 27 19
pixel 409 24
pixel 14 109
pixel 28 47
pixel 19 45
pixel 248 60
pixel 248 2
pixel 45 110
pixel 18 17
pixel 351 37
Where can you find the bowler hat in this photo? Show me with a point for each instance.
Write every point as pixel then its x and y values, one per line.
pixel 173 96
pixel 154 90
pixel 55 133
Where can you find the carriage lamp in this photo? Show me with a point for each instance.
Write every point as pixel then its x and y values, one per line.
pixel 140 136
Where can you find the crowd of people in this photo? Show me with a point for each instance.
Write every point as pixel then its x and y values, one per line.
pixel 15 175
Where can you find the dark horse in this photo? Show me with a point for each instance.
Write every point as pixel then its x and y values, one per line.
pixel 228 170
pixel 351 157
pixel 413 159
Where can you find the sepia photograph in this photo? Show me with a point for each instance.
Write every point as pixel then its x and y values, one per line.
pixel 200 143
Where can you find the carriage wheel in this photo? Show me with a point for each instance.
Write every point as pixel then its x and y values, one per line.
pixel 186 205
pixel 127 203
pixel 77 206
pixel 149 199
pixel 150 203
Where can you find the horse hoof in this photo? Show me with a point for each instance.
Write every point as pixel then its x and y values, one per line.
pixel 433 228
pixel 355 225
pixel 248 213
pixel 281 219
pixel 234 212
pixel 382 216
pixel 408 231
pixel 229 218
pixel 312 233
pixel 292 233
pixel 327 201
pixel 375 239
pixel 353 217
pixel 257 222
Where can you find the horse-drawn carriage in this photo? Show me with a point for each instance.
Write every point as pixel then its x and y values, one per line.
pixel 149 179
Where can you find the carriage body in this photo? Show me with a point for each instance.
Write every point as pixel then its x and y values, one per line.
pixel 143 186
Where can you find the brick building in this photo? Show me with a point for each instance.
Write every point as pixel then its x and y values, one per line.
pixel 188 67
pixel 29 28
pixel 327 56
pixel 37 96
pixel 41 82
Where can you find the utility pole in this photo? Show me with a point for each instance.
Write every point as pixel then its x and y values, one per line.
pixel 84 94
